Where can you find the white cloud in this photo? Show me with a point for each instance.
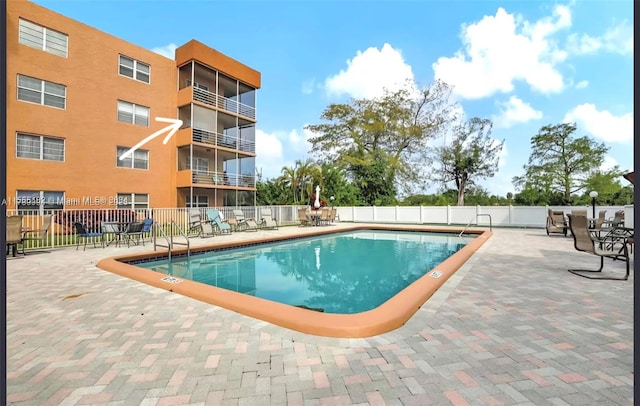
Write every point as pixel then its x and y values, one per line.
pixel 608 163
pixel 617 39
pixel 582 84
pixel 601 123
pixel 369 73
pixel 515 111
pixel 270 160
pixel 168 50
pixel 501 49
pixel 279 149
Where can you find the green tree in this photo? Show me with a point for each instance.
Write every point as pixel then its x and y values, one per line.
pixel 559 162
pixel 290 180
pixel 394 129
pixel 471 156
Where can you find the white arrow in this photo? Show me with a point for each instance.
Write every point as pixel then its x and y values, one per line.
pixel 175 125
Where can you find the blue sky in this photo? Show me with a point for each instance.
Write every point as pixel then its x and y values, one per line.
pixel 523 64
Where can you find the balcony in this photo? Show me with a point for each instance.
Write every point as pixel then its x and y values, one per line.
pixel 188 178
pixel 222 140
pixel 224 103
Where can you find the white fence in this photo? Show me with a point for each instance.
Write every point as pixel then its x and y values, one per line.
pixel 500 216
pixel 62 232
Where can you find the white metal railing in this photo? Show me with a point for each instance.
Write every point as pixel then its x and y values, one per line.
pixel 213 99
pixel 221 178
pixel 223 140
pixel 62 233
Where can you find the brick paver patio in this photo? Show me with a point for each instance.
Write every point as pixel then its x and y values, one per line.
pixel 512 327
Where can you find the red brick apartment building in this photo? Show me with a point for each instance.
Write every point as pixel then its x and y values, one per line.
pixel 78 98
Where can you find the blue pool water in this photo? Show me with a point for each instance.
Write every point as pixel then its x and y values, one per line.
pixel 339 273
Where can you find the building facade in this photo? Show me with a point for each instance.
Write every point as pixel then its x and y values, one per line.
pixel 78 98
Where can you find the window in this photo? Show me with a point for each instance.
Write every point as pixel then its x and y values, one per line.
pixel 41 92
pixel 200 165
pixel 39 200
pixel 39 147
pixel 133 113
pixel 135 69
pixel 139 159
pixel 198 201
pixel 133 201
pixel 43 38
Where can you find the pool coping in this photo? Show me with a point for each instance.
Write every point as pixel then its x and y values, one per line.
pixel 387 317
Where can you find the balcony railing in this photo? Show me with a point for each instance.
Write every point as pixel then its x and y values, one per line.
pixel 213 99
pixel 223 179
pixel 222 140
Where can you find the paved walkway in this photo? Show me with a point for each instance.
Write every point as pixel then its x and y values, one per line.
pixel 512 327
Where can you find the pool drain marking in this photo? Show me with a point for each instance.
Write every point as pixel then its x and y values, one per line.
pixel 435 274
pixel 170 279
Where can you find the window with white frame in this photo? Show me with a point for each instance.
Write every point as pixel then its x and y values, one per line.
pixel 200 165
pixel 39 147
pixel 41 92
pixel 133 201
pixel 43 38
pixel 138 160
pixel 197 201
pixel 134 69
pixel 133 113
pixel 39 200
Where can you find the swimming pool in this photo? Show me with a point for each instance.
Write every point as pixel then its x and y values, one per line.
pixel 388 316
pixel 343 273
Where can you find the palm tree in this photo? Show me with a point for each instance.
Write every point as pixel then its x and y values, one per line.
pixel 289 178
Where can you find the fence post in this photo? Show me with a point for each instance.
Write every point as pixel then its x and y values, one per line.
pixel 421 217
pixel 374 213
pixel 448 215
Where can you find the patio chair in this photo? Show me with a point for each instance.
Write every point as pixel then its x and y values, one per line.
pixel 243 223
pixel 304 218
pixel 325 216
pixel 14 234
pixel 131 232
pixel 612 245
pixel 556 222
pixel 39 235
pixel 616 221
pixel 267 220
pixel 215 217
pixel 334 214
pixel 83 233
pixel 600 220
pixel 197 224
pixel 147 224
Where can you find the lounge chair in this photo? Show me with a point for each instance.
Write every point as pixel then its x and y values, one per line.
pixel 39 235
pixel 214 217
pixel 243 223
pixel 83 233
pixel 14 234
pixel 611 245
pixel 197 224
pixel 556 222
pixel 304 218
pixel 267 220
